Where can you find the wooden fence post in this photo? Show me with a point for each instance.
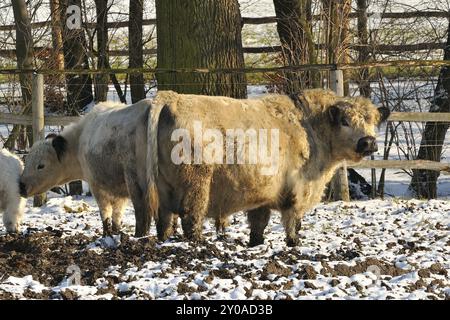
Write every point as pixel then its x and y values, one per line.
pixel 339 183
pixel 37 104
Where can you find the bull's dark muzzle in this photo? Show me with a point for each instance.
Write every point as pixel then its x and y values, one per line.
pixel 22 189
pixel 366 146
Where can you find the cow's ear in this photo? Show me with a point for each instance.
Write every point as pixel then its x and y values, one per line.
pixel 384 113
pixel 59 143
pixel 334 113
pixel 51 136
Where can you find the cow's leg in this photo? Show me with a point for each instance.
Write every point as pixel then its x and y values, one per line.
pixel 164 225
pixel 194 207
pixel 298 225
pixel 118 207
pixel 105 206
pixel 13 215
pixel 290 223
pixel 258 220
pixel 175 224
pixel 221 223
pixel 141 212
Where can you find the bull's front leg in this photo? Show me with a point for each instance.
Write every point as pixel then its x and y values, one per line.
pixel 194 208
pixel 258 220
pixel 164 225
pixel 292 223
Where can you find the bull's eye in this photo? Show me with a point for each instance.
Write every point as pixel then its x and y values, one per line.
pixel 40 167
pixel 345 123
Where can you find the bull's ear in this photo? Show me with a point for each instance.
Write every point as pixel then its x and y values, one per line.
pixel 384 113
pixel 59 143
pixel 334 114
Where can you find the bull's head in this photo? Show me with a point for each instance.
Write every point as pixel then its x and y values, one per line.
pixel 354 122
pixel 44 168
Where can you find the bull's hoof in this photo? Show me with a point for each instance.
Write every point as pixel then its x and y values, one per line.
pixel 116 229
pixel 195 237
pixel 107 228
pixel 163 236
pixel 298 226
pixel 292 242
pixel 256 240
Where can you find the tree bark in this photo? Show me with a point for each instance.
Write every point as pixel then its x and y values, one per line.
pixel 101 80
pixel 200 34
pixel 57 40
pixel 363 55
pixel 294 26
pixel 79 87
pixel 424 182
pixel 24 55
pixel 135 46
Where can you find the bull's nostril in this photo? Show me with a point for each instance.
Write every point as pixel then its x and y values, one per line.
pixel 367 145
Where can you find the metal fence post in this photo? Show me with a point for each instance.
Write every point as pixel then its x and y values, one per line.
pixel 37 104
pixel 339 183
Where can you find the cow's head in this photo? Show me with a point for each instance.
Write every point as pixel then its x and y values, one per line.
pixel 44 167
pixel 353 123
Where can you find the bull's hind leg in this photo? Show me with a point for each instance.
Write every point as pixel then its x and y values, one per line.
pixel 258 220
pixel 291 225
pixel 118 207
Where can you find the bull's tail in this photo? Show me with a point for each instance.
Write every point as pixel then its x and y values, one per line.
pixel 152 159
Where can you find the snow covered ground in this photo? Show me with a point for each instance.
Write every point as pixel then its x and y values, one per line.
pixel 392 249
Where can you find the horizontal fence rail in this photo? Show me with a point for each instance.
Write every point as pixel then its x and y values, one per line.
pixel 254 20
pixel 403 165
pixel 379 48
pixel 305 67
pixel 7 118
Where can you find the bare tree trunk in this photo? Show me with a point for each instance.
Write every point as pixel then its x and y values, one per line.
pixel 363 55
pixel 57 40
pixel 54 90
pixel 101 80
pixel 24 54
pixel 79 87
pixel 337 27
pixel 424 182
pixel 200 34
pixel 294 26
pixel 135 46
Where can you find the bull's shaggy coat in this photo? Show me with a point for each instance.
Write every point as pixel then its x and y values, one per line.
pixel 11 204
pixel 316 135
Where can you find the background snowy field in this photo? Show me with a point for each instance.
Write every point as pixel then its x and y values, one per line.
pixel 392 249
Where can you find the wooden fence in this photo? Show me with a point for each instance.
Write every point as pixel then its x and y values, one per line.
pixel 379 48
pixel 340 184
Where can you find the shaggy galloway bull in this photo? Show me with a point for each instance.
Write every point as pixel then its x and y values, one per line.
pixel 108 149
pixel 11 204
pixel 312 134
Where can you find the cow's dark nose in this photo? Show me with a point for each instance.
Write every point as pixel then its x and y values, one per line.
pixel 366 146
pixel 22 189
